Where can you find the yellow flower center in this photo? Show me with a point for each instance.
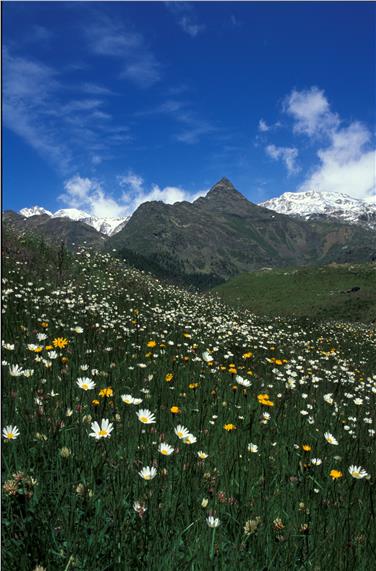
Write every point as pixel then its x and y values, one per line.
pixel 144 419
pixel 103 432
pixel 165 452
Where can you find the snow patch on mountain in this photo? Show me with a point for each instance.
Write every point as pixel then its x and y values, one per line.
pixel 108 226
pixel 315 204
pixel 34 211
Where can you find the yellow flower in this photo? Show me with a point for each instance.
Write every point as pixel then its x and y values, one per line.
pixel 48 347
pixel 229 427
pixel 193 386
pixel 60 342
pixel 168 378
pixel 232 370
pixel 44 324
pixel 175 410
pixel 307 447
pixel 38 349
pixel 64 360
pixel 108 392
pixel 95 402
pixel 264 399
pixel 151 343
pixel 187 335
pixel 247 355
pixel 335 474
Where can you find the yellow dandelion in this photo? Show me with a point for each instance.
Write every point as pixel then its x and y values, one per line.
pixel 60 342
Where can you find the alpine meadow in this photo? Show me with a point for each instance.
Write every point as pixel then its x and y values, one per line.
pixel 188 366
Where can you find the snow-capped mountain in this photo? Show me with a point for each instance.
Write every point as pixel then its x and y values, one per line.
pixel 314 204
pixel 34 211
pixel 105 225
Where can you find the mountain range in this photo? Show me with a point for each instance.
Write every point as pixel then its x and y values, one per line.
pixel 220 235
pixel 320 205
pixel 104 225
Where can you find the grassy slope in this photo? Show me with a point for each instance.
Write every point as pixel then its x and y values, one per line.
pixel 80 514
pixel 307 292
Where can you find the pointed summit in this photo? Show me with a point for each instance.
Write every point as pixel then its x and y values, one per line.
pixel 224 190
pixel 223 185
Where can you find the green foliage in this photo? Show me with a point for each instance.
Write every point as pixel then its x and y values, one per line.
pixel 328 292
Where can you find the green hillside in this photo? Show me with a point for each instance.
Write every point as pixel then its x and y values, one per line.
pixel 148 428
pixel 325 292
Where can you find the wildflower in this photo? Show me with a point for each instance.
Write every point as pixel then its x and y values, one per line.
pixel 169 377
pixel 207 357
pixel 251 525
pixel 242 382
pixel 229 427
pixel 316 461
pixel 264 400
pixel 77 329
pixel 148 473
pixel 190 439
pixel 175 410
pixel 358 472
pixel 335 474
pixel 103 431
pixel 307 447
pixel 330 439
pixel 10 432
pixel 106 392
pixel 247 355
pixel 204 502
pixel 151 343
pixel 252 448
pixel 95 402
pixel 202 455
pixel 44 324
pixel 193 386
pixel 127 399
pixel 65 452
pixel 139 508
pixel 146 416
pixel 60 342
pixel 15 371
pixel 165 449
pixel 278 524
pixel 213 521
pixel 85 383
pixel 181 432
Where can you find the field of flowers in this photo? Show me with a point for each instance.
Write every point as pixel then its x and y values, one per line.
pixel 145 427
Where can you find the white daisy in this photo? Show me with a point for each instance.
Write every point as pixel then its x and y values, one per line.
pixel 181 432
pixel 330 439
pixel 103 431
pixel 85 383
pixel 358 472
pixel 146 416
pixel 148 473
pixel 10 432
pixel 165 449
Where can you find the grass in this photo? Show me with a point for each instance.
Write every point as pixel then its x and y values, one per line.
pixel 321 292
pixel 69 499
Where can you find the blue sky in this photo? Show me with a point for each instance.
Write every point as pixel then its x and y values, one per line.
pixel 108 104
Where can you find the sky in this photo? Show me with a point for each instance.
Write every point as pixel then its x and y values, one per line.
pixel 109 104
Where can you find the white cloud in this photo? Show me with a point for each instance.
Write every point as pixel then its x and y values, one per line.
pixel 347 163
pixel 131 181
pixel 186 17
pixel 88 194
pixel 106 37
pixel 263 126
pixel 311 112
pixel 288 155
